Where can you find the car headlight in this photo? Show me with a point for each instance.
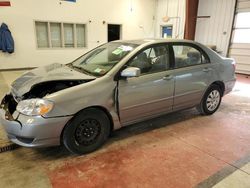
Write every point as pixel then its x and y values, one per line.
pixel 34 107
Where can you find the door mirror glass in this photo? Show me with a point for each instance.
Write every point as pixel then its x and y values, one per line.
pixel 131 72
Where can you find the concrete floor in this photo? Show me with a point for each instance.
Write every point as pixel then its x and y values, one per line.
pixel 181 149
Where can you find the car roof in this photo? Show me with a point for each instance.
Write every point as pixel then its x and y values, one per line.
pixel 153 41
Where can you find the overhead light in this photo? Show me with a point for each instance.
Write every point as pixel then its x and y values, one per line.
pixel 165 19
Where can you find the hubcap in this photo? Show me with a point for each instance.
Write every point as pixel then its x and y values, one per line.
pixel 87 132
pixel 213 100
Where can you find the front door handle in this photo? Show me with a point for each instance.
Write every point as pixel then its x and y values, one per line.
pixel 168 77
pixel 206 69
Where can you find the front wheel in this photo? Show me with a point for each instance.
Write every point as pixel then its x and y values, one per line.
pixel 211 100
pixel 87 131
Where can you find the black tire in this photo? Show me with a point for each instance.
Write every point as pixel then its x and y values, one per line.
pixel 208 104
pixel 86 132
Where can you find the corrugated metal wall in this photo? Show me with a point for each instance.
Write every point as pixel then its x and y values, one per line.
pixel 241 51
pixel 215 30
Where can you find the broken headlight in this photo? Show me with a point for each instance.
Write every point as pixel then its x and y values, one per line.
pixel 34 107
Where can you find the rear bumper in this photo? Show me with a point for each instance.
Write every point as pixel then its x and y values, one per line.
pixel 32 131
pixel 229 85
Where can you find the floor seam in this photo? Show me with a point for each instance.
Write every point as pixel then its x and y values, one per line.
pixel 184 141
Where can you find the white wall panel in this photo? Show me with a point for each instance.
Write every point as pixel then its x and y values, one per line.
pixel 171 8
pixel 215 30
pixel 136 17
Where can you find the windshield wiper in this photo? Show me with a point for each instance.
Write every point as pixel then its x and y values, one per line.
pixel 81 69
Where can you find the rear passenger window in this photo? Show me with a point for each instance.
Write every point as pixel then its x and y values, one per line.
pixel 187 56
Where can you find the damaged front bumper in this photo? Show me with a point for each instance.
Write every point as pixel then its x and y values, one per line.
pixel 30 131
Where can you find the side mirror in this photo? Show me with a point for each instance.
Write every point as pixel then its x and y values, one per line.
pixel 131 72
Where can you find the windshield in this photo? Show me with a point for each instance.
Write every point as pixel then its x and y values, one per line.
pixel 102 59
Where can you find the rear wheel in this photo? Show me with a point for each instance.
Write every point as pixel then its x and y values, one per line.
pixel 211 100
pixel 87 131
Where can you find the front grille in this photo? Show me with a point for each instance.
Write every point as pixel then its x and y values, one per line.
pixel 25 140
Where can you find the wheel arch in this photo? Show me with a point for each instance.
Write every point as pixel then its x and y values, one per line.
pixel 221 86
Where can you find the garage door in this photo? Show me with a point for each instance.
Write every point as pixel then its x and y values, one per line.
pixel 240 44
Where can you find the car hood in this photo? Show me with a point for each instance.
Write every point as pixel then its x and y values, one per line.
pixel 53 72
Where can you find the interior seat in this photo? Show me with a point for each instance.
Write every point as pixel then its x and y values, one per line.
pixel 194 57
pixel 142 62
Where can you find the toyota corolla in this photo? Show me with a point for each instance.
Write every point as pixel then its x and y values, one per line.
pixel 113 85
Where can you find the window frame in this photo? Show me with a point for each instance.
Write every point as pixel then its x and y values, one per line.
pixel 142 50
pixel 62 35
pixel 203 53
pixel 36 34
pixel 85 35
pixel 50 37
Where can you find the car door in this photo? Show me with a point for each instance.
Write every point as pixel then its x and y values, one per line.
pixel 151 93
pixel 192 72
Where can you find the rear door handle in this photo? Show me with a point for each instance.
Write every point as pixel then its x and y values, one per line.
pixel 206 69
pixel 168 77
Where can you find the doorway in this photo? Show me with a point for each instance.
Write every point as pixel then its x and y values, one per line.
pixel 114 32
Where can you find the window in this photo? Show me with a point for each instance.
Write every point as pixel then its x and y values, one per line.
pixel 56 36
pixel 60 35
pixel 42 34
pixel 187 56
pixel 167 31
pixel 154 59
pixel 68 35
pixel 80 33
pixel 242 28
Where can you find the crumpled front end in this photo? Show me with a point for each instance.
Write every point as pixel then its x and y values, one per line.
pixel 30 131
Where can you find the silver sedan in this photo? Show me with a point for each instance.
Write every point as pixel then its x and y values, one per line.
pixel 113 85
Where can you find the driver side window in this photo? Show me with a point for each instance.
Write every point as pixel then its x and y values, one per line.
pixel 153 59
